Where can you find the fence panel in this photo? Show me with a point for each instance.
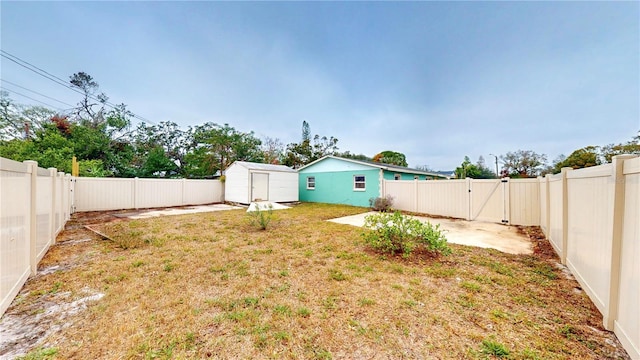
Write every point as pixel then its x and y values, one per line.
pixel 524 202
pixel 100 194
pixel 202 192
pixel 148 190
pixel 627 325
pixel 444 198
pixel 97 194
pixel 589 230
pixel 403 193
pixel 15 199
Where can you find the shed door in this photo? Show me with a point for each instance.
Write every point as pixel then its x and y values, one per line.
pixel 259 187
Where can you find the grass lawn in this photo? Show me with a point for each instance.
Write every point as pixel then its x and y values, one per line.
pixel 210 285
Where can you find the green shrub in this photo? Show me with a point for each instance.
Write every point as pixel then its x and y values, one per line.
pixel 399 234
pixel 261 217
pixel 382 204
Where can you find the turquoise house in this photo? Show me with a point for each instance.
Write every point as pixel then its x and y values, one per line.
pixel 337 180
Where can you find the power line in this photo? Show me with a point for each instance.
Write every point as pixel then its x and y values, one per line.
pixel 29 97
pixel 37 93
pixel 25 64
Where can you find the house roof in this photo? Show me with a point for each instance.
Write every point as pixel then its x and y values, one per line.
pixel 388 167
pixel 264 167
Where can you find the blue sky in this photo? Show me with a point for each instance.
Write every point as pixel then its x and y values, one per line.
pixel 433 80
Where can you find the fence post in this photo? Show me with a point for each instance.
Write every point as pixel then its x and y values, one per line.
pixel 469 202
pixel 415 195
pixel 547 179
pixel 506 198
pixel 33 216
pixel 53 174
pixel 184 185
pixel 135 192
pixel 565 214
pixel 617 177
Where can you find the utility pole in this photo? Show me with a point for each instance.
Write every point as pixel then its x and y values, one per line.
pixel 497 175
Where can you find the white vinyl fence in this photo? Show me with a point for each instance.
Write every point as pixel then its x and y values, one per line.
pixel 98 194
pixel 35 204
pixel 508 201
pixel 592 218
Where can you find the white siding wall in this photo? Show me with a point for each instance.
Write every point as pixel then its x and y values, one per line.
pixel 283 186
pixel 236 186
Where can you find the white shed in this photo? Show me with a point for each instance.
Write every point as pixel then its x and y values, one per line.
pixel 246 182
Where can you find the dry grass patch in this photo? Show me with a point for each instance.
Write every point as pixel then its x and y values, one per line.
pixel 212 286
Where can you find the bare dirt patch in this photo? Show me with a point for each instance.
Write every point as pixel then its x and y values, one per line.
pixel 210 285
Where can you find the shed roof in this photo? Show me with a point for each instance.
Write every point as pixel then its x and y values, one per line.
pixel 378 165
pixel 264 167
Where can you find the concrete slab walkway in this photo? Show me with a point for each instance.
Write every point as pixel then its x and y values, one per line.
pixel 472 233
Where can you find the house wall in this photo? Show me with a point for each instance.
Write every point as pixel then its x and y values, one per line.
pixel 236 186
pixel 336 187
pixel 283 186
pixel 390 175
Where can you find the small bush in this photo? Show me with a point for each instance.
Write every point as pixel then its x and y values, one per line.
pixel 494 348
pixel 261 217
pixel 381 204
pixel 399 234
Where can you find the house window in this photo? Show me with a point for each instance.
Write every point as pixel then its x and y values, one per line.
pixel 311 182
pixel 397 177
pixel 358 183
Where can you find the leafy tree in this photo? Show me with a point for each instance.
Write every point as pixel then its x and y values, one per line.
pixel 272 150
pixel 224 145
pixel 581 158
pixel 523 164
pixel 483 170
pixel 304 152
pixel 86 110
pixel 349 155
pixel 630 147
pixel 165 140
pixel 21 121
pixel 391 158
pixel 306 131
pixel 48 147
pixel 474 171
pixel 157 164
